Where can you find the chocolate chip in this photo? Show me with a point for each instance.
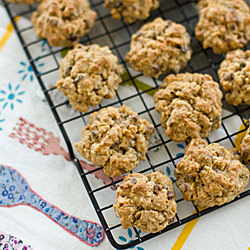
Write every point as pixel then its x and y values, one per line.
pixel 171 195
pixel 156 68
pixel 72 37
pixel 184 187
pixel 166 187
pixel 68 70
pixel 78 78
pixel 133 181
pixel 133 117
pixel 157 188
pixel 228 76
pixel 245 154
pixel 116 144
pixel 93 134
pixel 242 65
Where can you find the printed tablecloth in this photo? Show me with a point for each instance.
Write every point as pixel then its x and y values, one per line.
pixel 51 174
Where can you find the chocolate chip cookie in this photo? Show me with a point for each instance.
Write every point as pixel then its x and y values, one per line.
pixel 146 202
pixel 63 22
pixel 23 1
pixel 88 75
pixel 245 147
pixel 159 47
pixel 223 25
pixel 210 175
pixel 234 77
pixel 131 10
pixel 115 138
pixel 190 105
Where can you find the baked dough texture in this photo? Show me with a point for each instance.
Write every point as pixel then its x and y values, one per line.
pixel 131 11
pixel 190 105
pixel 210 175
pixel 115 138
pixel 146 202
pixel 159 47
pixel 88 75
pixel 224 25
pixel 234 77
pixel 245 148
pixel 63 22
pixel 24 1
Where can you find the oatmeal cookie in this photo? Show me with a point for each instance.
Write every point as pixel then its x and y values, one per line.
pixel 146 202
pixel 88 75
pixel 234 77
pixel 190 105
pixel 115 138
pixel 159 47
pixel 23 1
pixel 63 22
pixel 223 25
pixel 210 175
pixel 245 147
pixel 131 10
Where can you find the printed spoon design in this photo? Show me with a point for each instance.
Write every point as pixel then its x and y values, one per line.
pixel 15 190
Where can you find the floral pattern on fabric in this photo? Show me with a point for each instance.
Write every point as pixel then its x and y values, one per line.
pixel 14 190
pixel 9 242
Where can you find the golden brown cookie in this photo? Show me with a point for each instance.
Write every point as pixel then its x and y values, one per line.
pixel 24 1
pixel 190 105
pixel 115 138
pixel 210 175
pixel 234 77
pixel 131 10
pixel 159 47
pixel 63 22
pixel 146 202
pixel 223 25
pixel 88 75
pixel 245 147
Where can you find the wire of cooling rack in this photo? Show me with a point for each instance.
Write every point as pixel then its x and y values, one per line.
pixel 203 61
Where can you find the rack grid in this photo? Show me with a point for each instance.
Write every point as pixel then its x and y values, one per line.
pixel 117 35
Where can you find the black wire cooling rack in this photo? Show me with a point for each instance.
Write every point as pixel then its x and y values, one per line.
pixel 116 34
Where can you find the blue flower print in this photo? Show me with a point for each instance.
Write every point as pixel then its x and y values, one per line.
pixel 21 198
pixel 182 147
pixel 75 220
pixel 11 96
pixel 43 204
pixel 44 42
pixel 12 188
pixel 5 193
pixel 1 120
pixel 169 173
pixel 27 70
pixel 10 196
pixel 130 234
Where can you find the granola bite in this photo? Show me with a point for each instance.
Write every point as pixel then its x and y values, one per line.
pixel 146 202
pixel 115 138
pixel 23 1
pixel 88 75
pixel 131 10
pixel 245 147
pixel 223 25
pixel 234 77
pixel 159 47
pixel 190 105
pixel 210 175
pixel 63 22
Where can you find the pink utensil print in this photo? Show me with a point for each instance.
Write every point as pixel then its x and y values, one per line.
pixel 46 143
